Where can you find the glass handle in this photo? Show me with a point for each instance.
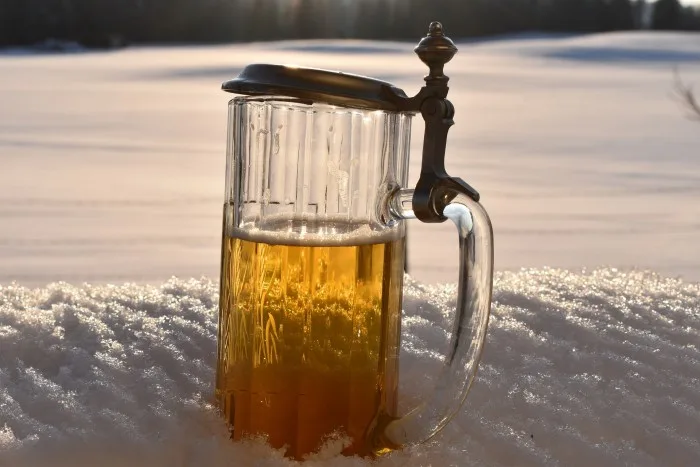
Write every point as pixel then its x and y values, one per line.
pixel 471 320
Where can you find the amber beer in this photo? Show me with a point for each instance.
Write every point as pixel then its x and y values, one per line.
pixel 309 339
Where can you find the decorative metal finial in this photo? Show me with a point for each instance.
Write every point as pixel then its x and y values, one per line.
pixel 435 50
pixel 435 29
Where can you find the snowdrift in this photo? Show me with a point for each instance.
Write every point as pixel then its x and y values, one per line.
pixel 592 368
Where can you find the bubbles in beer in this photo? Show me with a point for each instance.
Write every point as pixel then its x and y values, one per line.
pixel 308 339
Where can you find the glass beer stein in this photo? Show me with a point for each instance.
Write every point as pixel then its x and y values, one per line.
pixel 313 257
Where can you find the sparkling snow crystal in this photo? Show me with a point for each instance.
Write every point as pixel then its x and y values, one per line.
pixel 597 368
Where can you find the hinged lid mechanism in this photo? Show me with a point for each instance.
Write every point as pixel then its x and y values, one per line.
pixel 349 90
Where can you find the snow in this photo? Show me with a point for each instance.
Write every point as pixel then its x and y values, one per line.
pixel 598 368
pixel 113 162
pixel 111 172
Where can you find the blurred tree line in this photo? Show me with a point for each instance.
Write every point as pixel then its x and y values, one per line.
pixel 109 23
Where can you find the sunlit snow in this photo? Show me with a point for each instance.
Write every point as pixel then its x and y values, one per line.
pixel 601 368
pixel 113 163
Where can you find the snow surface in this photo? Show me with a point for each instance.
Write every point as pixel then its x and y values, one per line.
pixel 112 164
pixel 600 368
pixel 111 171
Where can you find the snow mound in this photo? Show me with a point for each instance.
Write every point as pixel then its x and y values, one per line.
pixel 593 368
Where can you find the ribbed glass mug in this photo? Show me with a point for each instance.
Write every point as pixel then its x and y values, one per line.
pixel 312 275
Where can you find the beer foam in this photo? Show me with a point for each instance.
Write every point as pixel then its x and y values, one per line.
pixel 595 368
pixel 329 234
